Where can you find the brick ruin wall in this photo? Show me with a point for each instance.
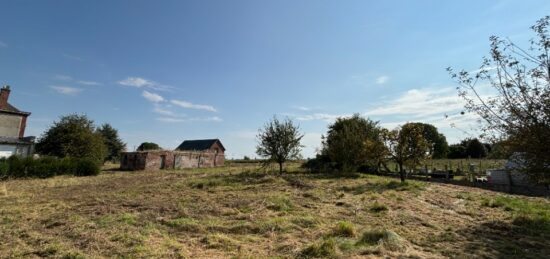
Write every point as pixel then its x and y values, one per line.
pixel 153 160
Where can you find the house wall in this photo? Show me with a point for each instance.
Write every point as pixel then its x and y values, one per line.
pixel 10 125
pixel 7 150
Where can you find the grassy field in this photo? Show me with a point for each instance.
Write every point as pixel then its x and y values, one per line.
pixel 241 212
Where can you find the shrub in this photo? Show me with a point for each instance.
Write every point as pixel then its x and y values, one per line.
pixel 87 167
pixel 16 167
pixel 66 165
pixel 344 229
pixel 4 168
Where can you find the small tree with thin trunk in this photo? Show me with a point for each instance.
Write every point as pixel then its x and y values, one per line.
pixel 406 146
pixel 279 141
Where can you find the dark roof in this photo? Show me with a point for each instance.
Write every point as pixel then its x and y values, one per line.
pixel 15 140
pixel 11 109
pixel 199 144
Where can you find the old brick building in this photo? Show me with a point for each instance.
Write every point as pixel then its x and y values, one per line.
pixel 190 154
pixel 12 128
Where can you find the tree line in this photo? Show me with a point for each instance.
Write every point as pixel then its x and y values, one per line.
pixel 516 119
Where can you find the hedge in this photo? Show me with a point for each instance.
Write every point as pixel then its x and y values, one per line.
pixel 44 167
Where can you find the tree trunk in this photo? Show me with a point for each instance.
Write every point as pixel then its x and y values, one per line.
pixel 280 167
pixel 401 172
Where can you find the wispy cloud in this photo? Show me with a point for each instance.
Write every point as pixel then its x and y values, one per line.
pixel 165 112
pixel 63 77
pixel 174 119
pixel 140 82
pixel 3 44
pixel 152 97
pixel 88 82
pixel 66 90
pixel 189 105
pixel 72 57
pixel 382 80
pixel 320 116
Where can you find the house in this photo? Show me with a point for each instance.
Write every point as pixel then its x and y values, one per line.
pixel 189 154
pixel 12 128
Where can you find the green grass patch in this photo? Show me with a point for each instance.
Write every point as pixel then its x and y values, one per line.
pixel 533 217
pixel 280 203
pixel 325 248
pixel 344 229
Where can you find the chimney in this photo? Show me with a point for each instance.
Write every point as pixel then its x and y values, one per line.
pixel 4 95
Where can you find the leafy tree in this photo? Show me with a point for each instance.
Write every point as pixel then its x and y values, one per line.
pixel 475 149
pixel 519 112
pixel 148 146
pixel 456 151
pixel 72 136
pixel 407 146
pixel 114 144
pixel 437 141
pixel 354 142
pixel 279 141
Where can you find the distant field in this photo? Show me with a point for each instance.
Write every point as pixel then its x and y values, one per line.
pixel 240 212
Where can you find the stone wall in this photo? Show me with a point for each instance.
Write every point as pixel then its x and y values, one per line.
pixel 162 159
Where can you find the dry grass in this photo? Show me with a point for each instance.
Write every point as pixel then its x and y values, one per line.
pixel 239 212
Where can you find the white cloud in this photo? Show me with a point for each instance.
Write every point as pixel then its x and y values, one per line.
pixel 143 83
pixel 174 119
pixel 66 90
pixel 164 112
pixel 63 77
pixel 152 97
pixel 88 83
pixel 302 108
pixel 3 44
pixel 382 80
pixel 188 105
pixel 320 116
pixel 421 102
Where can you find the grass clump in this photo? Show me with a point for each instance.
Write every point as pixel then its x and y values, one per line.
pixel 280 203
pixel 383 238
pixel 305 221
pixel 325 248
pixel 344 229
pixel 378 207
pixel 219 241
pixel 184 224
pixel 205 183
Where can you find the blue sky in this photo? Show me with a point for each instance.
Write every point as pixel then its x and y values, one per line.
pixel 165 71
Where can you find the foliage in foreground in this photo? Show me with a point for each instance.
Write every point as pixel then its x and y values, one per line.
pixel 519 114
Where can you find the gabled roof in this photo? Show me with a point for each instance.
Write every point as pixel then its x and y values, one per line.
pixel 11 109
pixel 199 144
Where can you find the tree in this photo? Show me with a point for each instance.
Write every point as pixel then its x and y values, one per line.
pixel 73 136
pixel 475 149
pixel 114 144
pixel 279 141
pixel 519 111
pixel 406 146
pixel 354 142
pixel 437 141
pixel 148 146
